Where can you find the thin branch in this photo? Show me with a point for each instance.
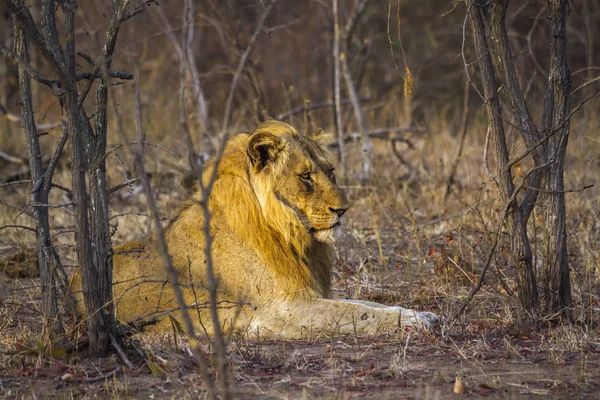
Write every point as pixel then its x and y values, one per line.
pixel 492 250
pixel 63 232
pixel 313 106
pixel 351 24
pixel 163 250
pixel 27 228
pixel 578 107
pixel 382 133
pixel 122 185
pixel 139 214
pixel 47 43
pixel 54 162
pixel 530 47
pixel 103 62
pixel 61 205
pixel 464 57
pixel 13 159
pixel 106 377
pixel 118 146
pixel 352 89
pixel 17 119
pixel 236 76
pixel 52 84
pixel 596 79
pixel 205 191
pixel 28 181
pixel 22 210
pixel 485 154
pixel 463 134
pixel 337 90
pixel 138 9
pixel 111 73
pixel 389 35
pixel 154 317
pixel 585 187
pixel 14 183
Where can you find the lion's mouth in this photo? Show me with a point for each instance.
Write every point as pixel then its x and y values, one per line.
pixel 314 230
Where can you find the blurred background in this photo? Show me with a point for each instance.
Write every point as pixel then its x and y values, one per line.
pixel 291 63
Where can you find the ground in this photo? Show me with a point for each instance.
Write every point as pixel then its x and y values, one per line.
pixel 375 368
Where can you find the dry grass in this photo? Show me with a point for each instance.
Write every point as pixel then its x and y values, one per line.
pixel 401 245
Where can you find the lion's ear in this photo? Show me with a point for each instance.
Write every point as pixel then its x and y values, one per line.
pixel 263 148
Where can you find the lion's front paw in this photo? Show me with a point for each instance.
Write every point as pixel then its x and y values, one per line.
pixel 421 319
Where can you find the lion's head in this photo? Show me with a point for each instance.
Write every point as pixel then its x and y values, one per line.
pixel 275 190
pixel 291 174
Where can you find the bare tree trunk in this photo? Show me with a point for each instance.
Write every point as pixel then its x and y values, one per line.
pixel 591 32
pixel 39 193
pixel 5 35
pixel 555 269
pixel 521 249
pixel 547 144
pixel 365 142
pixel 337 91
pixel 555 126
pixel 93 250
pixel 88 148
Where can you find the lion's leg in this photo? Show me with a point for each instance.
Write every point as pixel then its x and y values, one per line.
pixel 408 317
pixel 366 303
pixel 323 317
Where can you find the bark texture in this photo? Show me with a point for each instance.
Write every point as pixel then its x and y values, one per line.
pixel 87 151
pixel 39 191
pixel 521 249
pixel 546 142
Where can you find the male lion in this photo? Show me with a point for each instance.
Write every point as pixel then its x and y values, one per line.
pixel 275 210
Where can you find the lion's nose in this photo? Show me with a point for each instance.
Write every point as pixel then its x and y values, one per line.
pixel 339 211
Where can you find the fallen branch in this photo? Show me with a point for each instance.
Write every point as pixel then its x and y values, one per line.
pixel 100 378
pixel 120 351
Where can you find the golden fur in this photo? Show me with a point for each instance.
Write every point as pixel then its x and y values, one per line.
pixel 275 210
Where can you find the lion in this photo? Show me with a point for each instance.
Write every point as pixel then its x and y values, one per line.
pixel 275 213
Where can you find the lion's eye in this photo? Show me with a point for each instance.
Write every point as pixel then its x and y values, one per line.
pixel 305 176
